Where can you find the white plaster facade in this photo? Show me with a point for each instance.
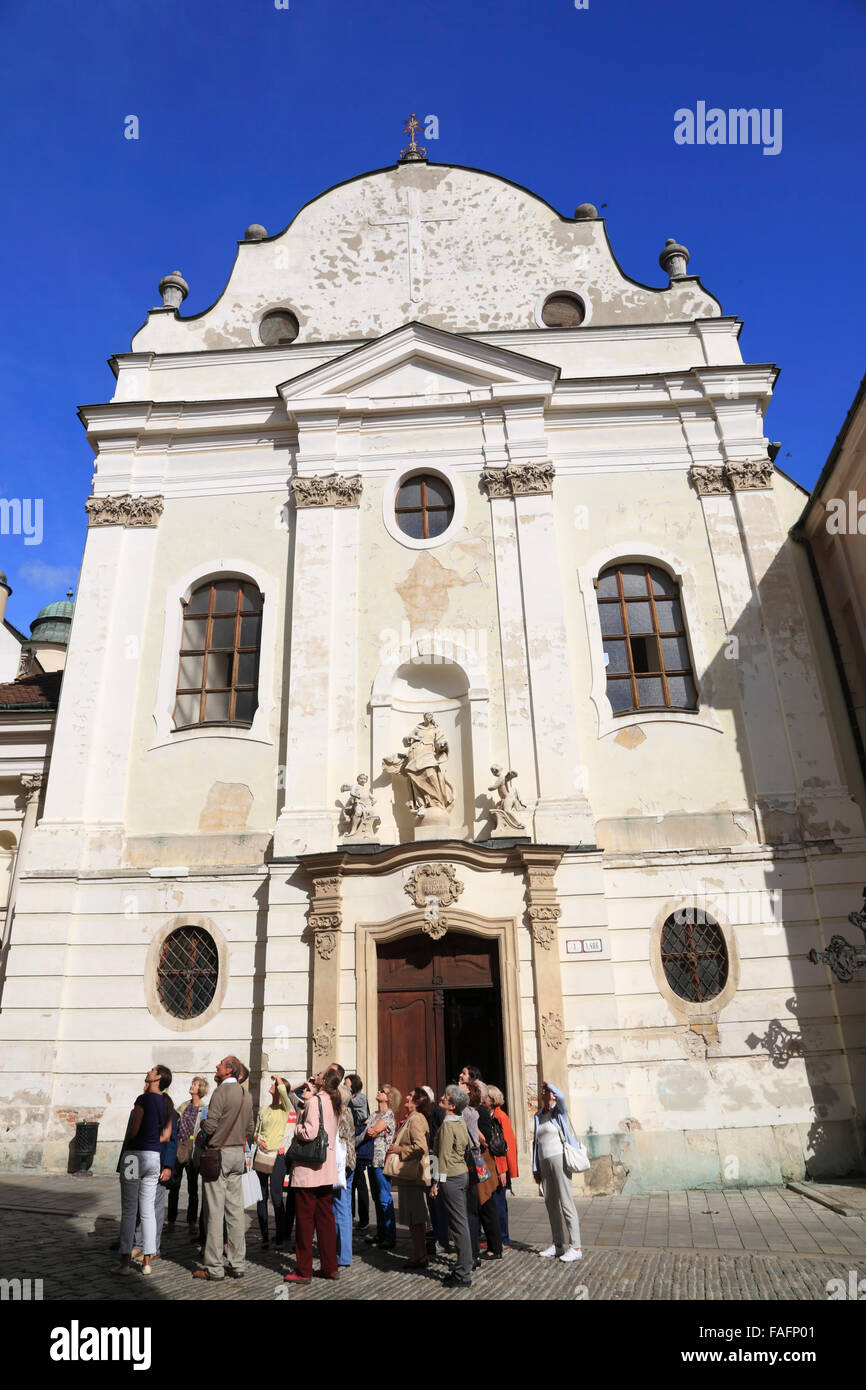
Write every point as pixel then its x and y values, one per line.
pixel 637 436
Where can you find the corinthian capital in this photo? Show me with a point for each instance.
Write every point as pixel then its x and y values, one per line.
pixel 328 490
pixel 124 510
pixel 708 479
pixel 754 473
pixel 524 480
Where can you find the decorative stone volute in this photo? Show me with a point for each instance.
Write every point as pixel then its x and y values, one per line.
pixel 173 289
pixel 124 510
pixel 328 490
pixel 674 259
pixel 325 915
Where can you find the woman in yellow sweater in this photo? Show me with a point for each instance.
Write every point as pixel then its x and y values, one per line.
pixel 273 1136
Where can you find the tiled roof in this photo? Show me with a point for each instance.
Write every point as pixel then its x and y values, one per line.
pixel 39 692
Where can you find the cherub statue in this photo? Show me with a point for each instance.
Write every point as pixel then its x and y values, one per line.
pixel 359 808
pixel 509 800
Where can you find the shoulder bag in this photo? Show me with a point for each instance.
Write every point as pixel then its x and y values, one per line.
pixel 574 1156
pixel 310 1153
pixel 409 1170
pixel 497 1143
pixel 210 1162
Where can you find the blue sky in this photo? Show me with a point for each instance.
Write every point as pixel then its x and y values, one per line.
pixel 246 111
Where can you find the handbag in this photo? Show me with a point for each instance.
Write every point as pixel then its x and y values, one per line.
pixel 415 1169
pixel 210 1163
pixel 184 1152
pixel 341 1152
pixel 497 1143
pixel 311 1153
pixel 264 1159
pixel 574 1156
pixel 251 1188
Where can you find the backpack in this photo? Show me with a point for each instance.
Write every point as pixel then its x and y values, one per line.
pixel 496 1143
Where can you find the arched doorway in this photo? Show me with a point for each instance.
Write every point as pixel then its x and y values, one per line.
pixel 439 1006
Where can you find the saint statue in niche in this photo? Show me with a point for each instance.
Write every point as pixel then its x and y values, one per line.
pixel 422 766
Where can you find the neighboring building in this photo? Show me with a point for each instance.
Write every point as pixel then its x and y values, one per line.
pixel 432 453
pixel 29 695
pixel 833 526
pixel 11 640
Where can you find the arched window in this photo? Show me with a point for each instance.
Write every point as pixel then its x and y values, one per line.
pixel 188 970
pixel 424 506
pixel 563 310
pixel 219 656
pixel 694 955
pixel 644 636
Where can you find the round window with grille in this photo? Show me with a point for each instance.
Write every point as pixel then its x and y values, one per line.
pixel 694 955
pixel 188 970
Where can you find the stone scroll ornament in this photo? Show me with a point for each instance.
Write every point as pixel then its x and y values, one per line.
pixel 433 887
pixel 552 1029
pixel 124 510
pixel 431 795
pixel 524 480
pixel 328 490
pixel 324 1039
pixel 359 811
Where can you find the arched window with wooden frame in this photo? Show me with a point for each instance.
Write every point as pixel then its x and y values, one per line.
pixel 218 670
pixel 645 642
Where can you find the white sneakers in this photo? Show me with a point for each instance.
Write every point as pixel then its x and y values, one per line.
pixel 549 1252
pixel 570 1255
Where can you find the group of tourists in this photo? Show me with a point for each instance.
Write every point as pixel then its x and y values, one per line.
pixel 318 1153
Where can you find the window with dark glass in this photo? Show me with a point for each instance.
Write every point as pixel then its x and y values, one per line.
pixel 186 977
pixel 644 637
pixel 219 656
pixel 424 507
pixel 694 955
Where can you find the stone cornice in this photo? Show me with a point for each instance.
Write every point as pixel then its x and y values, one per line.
pixel 124 510
pixel 466 852
pixel 525 480
pixel 328 490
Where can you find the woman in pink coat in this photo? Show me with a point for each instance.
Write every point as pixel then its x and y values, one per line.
pixel 320 1104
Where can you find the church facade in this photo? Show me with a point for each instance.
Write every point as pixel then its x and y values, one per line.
pixel 443 687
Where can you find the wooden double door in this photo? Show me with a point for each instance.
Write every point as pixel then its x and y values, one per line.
pixel 439 1008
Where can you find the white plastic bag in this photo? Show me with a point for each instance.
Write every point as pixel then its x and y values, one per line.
pixel 340 1152
pixel 251 1188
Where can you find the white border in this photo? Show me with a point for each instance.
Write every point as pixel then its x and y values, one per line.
pixel 608 722
pixel 562 289
pixel 389 502
pixel 163 713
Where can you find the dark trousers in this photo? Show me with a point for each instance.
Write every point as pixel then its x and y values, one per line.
pixel 192 1193
pixel 452 1195
pixel 438 1219
pixel 489 1217
pixel 502 1212
pixel 360 1192
pixel 314 1208
pixel 283 1200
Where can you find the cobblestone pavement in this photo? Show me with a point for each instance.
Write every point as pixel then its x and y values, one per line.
pixel 768 1244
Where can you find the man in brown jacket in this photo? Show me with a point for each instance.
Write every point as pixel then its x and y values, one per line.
pixel 229 1121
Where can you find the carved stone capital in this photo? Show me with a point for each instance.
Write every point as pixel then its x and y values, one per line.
pixel 708 479
pixel 124 510
pixel 753 474
pixel 542 904
pixel 31 786
pixel 328 490
pixel 324 1039
pixel 524 480
pixel 552 1029
pixel 325 914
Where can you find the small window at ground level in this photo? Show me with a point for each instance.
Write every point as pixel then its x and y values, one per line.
pixel 188 970
pixel 424 507
pixel 694 955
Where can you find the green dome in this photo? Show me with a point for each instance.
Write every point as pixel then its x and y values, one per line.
pixel 52 623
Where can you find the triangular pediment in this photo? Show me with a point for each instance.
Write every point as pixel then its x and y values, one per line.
pixel 418 365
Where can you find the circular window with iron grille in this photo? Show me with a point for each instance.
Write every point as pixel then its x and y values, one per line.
pixel 188 970
pixel 694 955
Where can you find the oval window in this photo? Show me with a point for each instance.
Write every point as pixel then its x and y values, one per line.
pixel 424 506
pixel 563 311
pixel 694 955
pixel 188 970
pixel 280 326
